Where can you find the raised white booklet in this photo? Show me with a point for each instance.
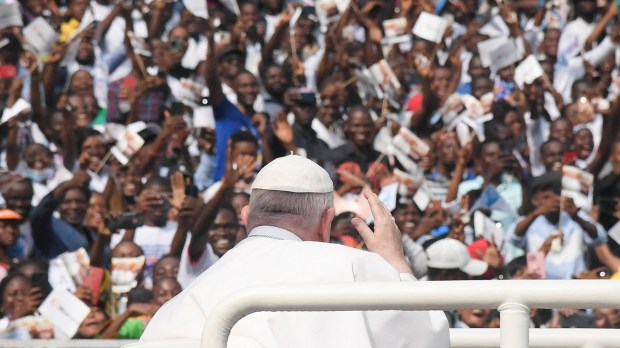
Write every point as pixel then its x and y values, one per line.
pixel 430 27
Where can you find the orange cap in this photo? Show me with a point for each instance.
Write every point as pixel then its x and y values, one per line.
pixel 8 214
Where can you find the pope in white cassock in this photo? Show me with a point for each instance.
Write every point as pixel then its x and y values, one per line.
pixel 289 219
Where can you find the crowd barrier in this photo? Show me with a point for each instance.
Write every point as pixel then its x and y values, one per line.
pixel 460 338
pixel 513 299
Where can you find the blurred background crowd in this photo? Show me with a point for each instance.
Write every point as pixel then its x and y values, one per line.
pixel 131 132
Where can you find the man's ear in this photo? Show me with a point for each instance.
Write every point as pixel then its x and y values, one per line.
pixel 245 213
pixel 325 227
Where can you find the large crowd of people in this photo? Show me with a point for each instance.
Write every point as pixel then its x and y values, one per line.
pixel 132 131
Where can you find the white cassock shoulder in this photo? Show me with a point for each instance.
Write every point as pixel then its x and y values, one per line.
pixel 263 261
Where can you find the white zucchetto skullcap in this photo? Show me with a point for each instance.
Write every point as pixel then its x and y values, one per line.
pixel 293 174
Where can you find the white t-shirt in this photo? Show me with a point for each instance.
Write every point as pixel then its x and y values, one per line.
pixel 188 270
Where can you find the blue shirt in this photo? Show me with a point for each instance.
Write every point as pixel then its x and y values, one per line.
pixel 228 121
pixel 570 260
pixel 509 188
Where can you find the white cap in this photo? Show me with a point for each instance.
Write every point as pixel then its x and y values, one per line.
pixel 450 253
pixel 293 174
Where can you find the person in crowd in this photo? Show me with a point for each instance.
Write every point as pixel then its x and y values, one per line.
pixel 9 235
pixel 18 192
pixel 157 232
pixel 448 259
pixel 19 298
pixel 52 236
pixel 153 116
pixel 573 229
pixel 282 223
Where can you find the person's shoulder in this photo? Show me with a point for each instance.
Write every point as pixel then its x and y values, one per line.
pixel 340 153
pixel 340 254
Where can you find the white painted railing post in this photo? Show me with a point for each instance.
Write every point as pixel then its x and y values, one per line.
pixel 514 319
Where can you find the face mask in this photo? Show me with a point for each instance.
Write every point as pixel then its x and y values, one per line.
pixel 40 175
pixel 124 106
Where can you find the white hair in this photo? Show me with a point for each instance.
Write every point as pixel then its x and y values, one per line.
pixel 275 207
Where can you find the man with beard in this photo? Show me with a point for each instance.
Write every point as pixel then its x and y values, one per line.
pixel 576 228
pixel 275 83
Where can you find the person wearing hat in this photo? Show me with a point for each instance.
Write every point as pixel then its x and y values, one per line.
pixel 17 193
pixel 9 235
pixel 230 62
pixel 449 259
pixel 289 219
pixel 574 228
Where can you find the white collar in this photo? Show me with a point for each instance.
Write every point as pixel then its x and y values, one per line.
pixel 273 233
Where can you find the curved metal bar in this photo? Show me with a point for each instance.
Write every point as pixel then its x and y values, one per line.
pixel 406 296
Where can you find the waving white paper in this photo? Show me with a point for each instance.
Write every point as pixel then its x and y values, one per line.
pixel 430 27
pixel 197 7
pixel 40 35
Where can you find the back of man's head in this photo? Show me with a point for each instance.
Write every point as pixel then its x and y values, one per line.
pixel 291 192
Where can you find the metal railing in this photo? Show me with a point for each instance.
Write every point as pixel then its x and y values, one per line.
pixel 512 298
pixel 97 343
pixel 539 338
pixel 460 338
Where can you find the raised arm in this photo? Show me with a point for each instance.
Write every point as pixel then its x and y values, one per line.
pixel 512 21
pixel 611 124
pixel 461 164
pixel 188 213
pixel 105 24
pixel 610 13
pixel 216 95
pixel 12 150
pixel 207 213
pixel 157 22
pixel 69 142
pixel 101 241
pixel 523 225
pixel 39 116
pixel 50 70
pixel 276 39
pixel 373 51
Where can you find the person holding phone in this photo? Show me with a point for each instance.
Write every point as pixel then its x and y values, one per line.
pixel 553 215
pixel 156 232
pixel 497 167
